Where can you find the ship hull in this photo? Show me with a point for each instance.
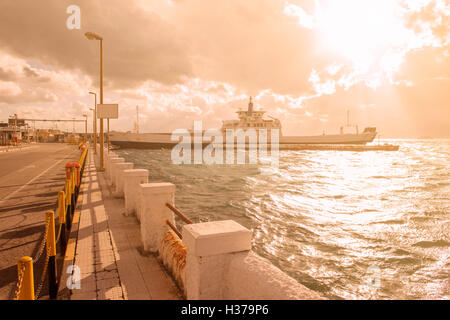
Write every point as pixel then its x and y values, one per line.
pixel 141 145
pixel 361 138
pixel 163 140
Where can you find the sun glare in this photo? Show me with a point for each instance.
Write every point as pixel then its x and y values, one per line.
pixel 361 30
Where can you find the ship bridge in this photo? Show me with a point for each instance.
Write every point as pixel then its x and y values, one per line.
pixel 251 119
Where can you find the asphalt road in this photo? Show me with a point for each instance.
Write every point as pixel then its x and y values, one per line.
pixel 30 180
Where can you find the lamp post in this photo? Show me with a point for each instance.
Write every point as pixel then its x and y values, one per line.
pixel 93 123
pixel 93 36
pixel 94 128
pixel 85 128
pixel 108 136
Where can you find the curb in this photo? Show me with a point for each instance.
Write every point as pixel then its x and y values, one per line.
pixel 69 258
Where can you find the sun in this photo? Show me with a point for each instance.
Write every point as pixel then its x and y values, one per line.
pixel 361 30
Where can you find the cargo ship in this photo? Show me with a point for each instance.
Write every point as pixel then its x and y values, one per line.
pixel 248 119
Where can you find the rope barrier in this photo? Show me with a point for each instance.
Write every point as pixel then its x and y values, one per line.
pixel 20 277
pixel 42 246
pixel 59 234
pixel 44 273
pixel 25 282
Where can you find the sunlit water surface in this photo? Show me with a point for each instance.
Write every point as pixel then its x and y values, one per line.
pixel 332 220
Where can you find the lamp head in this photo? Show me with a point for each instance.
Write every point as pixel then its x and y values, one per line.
pixel 92 36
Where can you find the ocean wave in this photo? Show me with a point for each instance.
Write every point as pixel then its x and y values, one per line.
pixel 431 244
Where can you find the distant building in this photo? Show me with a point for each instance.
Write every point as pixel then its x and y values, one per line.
pixel 11 135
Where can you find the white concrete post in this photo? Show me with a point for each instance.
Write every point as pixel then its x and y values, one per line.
pixel 108 166
pixel 131 189
pixel 118 178
pixel 139 203
pixel 112 163
pixel 155 213
pixel 210 246
pixel 108 157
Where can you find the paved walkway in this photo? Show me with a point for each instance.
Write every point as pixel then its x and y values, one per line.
pixel 107 248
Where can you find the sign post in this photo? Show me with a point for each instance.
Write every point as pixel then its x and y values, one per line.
pixel 108 111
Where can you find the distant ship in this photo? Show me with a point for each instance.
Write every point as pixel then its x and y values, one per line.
pixel 250 119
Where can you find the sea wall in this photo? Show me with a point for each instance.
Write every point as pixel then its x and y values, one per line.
pixel 211 260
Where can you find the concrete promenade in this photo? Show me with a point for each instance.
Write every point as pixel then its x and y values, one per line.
pixel 30 179
pixel 106 247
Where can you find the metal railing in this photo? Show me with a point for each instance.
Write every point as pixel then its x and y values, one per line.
pixel 180 214
pixel 174 229
pixel 67 199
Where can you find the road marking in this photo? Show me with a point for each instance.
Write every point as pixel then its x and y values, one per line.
pixel 27 167
pixel 35 178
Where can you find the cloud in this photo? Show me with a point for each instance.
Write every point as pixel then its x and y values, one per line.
pixel 22 83
pixel 432 15
pixel 188 60
pixel 253 45
pixel 138 45
pixel 398 110
pixel 7 75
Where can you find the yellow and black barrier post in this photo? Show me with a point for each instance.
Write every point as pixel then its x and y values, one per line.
pixel 68 205
pixel 25 282
pixel 74 191
pixel 51 247
pixel 62 219
pixel 82 161
pixel 71 193
pixel 77 175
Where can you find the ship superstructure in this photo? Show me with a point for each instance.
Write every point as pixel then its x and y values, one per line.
pixel 251 119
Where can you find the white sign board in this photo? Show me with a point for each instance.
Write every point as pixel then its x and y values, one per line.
pixel 110 111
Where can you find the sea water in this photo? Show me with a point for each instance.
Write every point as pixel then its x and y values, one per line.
pixel 332 219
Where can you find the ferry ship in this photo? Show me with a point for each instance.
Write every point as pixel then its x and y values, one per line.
pixel 249 119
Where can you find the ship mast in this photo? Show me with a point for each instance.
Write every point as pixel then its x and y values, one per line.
pixel 137 120
pixel 348 123
pixel 250 107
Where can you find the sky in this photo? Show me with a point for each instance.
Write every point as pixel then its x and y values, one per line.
pixel 305 62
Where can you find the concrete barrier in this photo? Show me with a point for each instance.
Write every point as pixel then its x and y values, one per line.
pixel 155 213
pixel 139 203
pixel 221 265
pixel 118 178
pixel 108 164
pixel 107 158
pixel 251 277
pixel 210 247
pixel 112 163
pixel 132 179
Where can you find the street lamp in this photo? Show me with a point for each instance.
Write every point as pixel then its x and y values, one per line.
pixel 94 128
pixel 85 128
pixel 93 36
